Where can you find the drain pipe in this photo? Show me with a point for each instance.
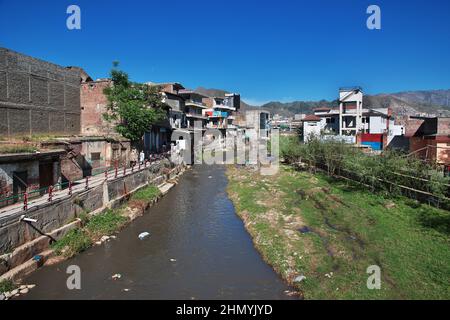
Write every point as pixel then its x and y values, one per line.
pixel 23 218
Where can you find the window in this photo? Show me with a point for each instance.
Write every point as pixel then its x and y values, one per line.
pixel 95 156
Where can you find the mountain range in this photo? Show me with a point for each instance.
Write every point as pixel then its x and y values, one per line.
pixel 423 102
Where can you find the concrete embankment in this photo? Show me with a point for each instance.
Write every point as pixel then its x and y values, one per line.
pixel 24 246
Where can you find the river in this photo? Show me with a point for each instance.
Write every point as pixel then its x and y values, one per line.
pixel 197 249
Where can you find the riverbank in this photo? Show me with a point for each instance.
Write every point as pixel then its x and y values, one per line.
pixel 321 234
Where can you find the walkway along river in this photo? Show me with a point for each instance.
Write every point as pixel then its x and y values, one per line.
pixel 197 249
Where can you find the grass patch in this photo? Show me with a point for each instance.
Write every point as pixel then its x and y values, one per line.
pixel 349 230
pixel 148 193
pixel 7 286
pixel 105 223
pixel 75 241
pixel 10 149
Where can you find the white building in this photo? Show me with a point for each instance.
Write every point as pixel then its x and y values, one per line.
pixel 350 120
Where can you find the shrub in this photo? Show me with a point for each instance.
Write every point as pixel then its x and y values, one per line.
pixel 73 242
pixel 147 193
pixel 105 223
pixel 385 172
pixel 7 286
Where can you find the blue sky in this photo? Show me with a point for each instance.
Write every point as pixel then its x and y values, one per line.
pixel 266 50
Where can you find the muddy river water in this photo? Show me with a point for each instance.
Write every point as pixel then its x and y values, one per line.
pixel 197 249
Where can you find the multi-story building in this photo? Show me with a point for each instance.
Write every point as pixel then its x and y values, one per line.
pixel 194 108
pixel 350 122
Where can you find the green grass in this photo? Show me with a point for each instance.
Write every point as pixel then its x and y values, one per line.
pixel 351 230
pixel 10 149
pixel 148 193
pixel 105 223
pixel 7 286
pixel 75 241
pixel 78 240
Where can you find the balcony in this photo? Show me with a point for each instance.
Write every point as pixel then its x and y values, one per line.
pixel 224 107
pixel 196 116
pixel 194 103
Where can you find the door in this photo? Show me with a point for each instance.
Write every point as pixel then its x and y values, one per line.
pixel 20 182
pixel 45 176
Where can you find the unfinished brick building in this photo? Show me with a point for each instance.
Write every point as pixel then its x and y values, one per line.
pixel 37 97
pixel 93 105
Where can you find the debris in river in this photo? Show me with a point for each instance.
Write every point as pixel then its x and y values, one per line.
pixel 143 235
pixel 116 276
pixel 104 238
pixel 173 260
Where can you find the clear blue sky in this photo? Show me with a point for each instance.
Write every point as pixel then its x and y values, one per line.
pixel 266 50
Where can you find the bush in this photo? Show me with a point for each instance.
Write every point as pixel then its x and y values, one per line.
pixel 7 286
pixel 385 172
pixel 75 241
pixel 105 223
pixel 147 193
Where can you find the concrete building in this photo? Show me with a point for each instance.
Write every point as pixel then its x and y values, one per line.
pixel 195 104
pixel 351 123
pixel 37 97
pixel 89 155
pixel 429 139
pixel 350 110
pixel 312 126
pixel 32 173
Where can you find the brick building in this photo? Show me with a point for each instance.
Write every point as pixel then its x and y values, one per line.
pixel 37 97
pixel 429 138
pixel 93 105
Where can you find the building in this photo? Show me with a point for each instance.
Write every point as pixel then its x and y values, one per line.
pixel 28 172
pixel 351 123
pixel 312 126
pixel 350 111
pixel 170 97
pixel 429 139
pixel 195 104
pixel 93 105
pixel 37 97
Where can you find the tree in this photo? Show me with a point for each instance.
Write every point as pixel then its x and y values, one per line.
pixel 133 107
